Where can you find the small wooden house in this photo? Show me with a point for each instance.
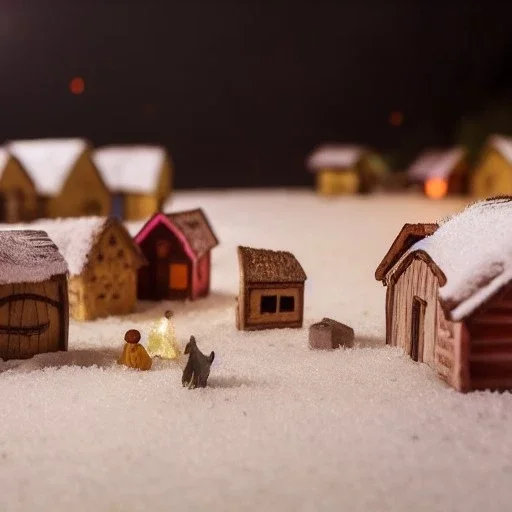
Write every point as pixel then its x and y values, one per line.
pixel 440 172
pixel 177 247
pixel 271 290
pixel 344 169
pixel 492 175
pixel 138 177
pixel 103 263
pixel 449 295
pixel 33 295
pixel 65 179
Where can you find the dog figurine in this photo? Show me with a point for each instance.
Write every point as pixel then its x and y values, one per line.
pixel 197 370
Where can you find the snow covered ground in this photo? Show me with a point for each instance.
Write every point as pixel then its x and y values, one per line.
pixel 280 427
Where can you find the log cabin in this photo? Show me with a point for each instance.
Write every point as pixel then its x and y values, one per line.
pixel 440 172
pixel 138 177
pixel 345 169
pixel 178 249
pixel 271 293
pixel 449 295
pixel 33 295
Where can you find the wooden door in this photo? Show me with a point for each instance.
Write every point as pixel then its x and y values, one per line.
pixel 178 279
pixel 417 327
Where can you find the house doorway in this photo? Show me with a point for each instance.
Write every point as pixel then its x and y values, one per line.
pixel 417 327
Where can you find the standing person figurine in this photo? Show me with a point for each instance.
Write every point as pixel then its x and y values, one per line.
pixel 134 354
pixel 162 341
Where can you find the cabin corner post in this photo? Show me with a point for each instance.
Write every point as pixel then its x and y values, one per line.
pixel 64 313
pixel 464 377
pixel 390 291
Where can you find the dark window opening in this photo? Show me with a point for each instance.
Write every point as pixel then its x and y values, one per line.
pixel 115 296
pixel 120 253
pixel 268 304
pixel 163 248
pixel 286 304
pixel 100 257
pixel 112 240
pixel 101 296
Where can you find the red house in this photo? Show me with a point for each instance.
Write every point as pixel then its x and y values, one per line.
pixel 177 247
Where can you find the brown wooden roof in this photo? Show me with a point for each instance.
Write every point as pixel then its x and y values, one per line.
pixel 266 266
pixel 408 236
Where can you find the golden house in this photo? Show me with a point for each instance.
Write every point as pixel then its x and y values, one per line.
pixel 440 172
pixel 103 263
pixel 65 179
pixel 18 196
pixel 138 177
pixel 492 175
pixel 344 169
pixel 271 289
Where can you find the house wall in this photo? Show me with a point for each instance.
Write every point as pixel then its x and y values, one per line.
pixel 458 179
pixel 83 192
pixel 255 319
pixel 15 180
pixel 492 176
pixel 201 283
pixel 490 347
pixel 333 182
pixel 18 311
pixel 108 285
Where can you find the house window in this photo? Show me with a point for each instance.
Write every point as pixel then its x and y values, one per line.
pixel 178 276
pixel 268 304
pixel 163 249
pixel 286 304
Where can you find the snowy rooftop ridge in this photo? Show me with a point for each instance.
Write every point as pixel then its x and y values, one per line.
pixel 503 145
pixel 474 251
pixel 435 163
pixel 334 156
pixel 47 161
pixel 4 158
pixel 130 169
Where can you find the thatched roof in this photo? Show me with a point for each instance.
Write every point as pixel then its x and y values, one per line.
pixel 266 266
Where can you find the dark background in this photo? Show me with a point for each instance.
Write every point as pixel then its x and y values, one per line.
pixel 241 91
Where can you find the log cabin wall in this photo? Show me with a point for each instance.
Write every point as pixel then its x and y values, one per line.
pixel 490 350
pixel 417 280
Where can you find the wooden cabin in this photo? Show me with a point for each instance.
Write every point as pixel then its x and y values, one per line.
pixel 345 169
pixel 492 175
pixel 449 295
pixel 138 177
pixel 103 263
pixel 33 295
pixel 271 293
pixel 178 248
pixel 440 172
pixel 65 178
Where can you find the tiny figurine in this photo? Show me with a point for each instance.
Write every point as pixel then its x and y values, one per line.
pixel 197 370
pixel 440 172
pixel 449 295
pixel 329 334
pixel 271 289
pixel 103 263
pixel 346 169
pixel 492 175
pixel 138 177
pixel 134 354
pixel 162 341
pixel 177 247
pixel 34 295
pixel 65 178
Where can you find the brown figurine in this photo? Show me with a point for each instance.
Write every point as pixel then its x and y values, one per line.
pixel 134 355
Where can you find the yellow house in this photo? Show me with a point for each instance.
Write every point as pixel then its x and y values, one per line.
pixel 18 196
pixel 345 169
pixel 138 177
pixel 65 178
pixel 492 175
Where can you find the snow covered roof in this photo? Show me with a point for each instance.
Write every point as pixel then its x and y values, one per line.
pixel 435 163
pixel 503 145
pixel 75 238
pixel 28 256
pixel 131 169
pixel 334 156
pixel 474 251
pixel 4 158
pixel 48 161
pixel 266 266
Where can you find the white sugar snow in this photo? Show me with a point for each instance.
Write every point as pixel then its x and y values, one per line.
pixel 280 427
pixel 334 155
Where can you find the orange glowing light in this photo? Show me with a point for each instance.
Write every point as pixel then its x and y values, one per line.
pixel 436 188
pixel 396 118
pixel 77 85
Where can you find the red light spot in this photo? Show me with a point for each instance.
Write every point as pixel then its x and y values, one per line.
pixel 396 118
pixel 77 85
